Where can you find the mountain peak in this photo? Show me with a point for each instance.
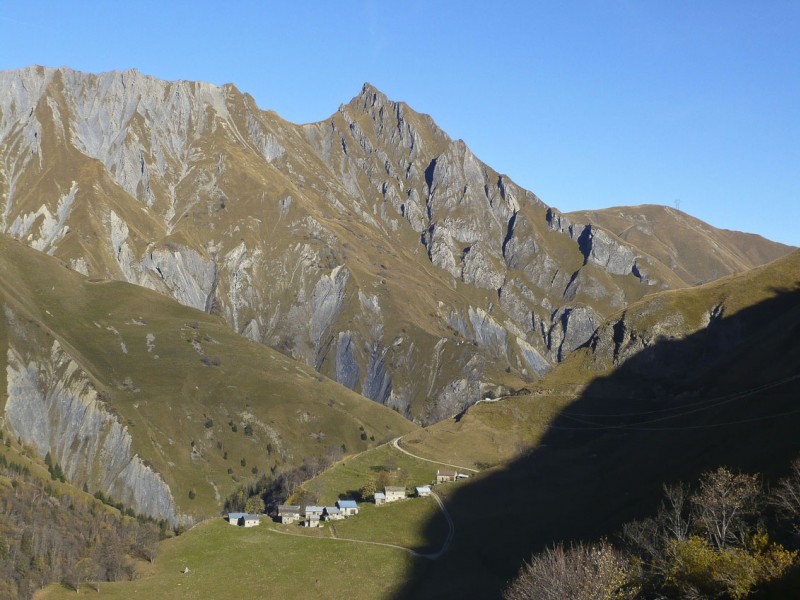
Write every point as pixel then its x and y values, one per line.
pixel 370 90
pixel 369 97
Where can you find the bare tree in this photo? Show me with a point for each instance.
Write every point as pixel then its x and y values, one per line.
pixel 673 516
pixel 724 505
pixel 580 572
pixel 786 496
pixel 84 570
pixel 111 556
pixel 146 541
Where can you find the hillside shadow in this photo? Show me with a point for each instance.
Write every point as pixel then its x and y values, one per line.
pixel 668 414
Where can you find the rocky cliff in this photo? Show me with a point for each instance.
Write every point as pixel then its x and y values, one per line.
pixel 53 406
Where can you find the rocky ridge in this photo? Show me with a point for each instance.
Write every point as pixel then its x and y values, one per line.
pixel 369 245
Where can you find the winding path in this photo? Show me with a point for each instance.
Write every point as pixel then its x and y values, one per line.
pixel 396 444
pixel 430 556
pixel 451 527
pixel 450 533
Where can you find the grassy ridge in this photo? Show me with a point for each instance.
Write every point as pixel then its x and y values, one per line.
pixel 346 478
pixel 694 250
pixel 189 389
pixel 489 433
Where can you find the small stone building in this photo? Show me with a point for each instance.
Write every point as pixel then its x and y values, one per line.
pixel 380 498
pixel 250 520
pixel 313 516
pixel 288 514
pixel 348 507
pixel 233 518
pixel 244 519
pixel 445 475
pixel 423 491
pixel 394 493
pixel 332 513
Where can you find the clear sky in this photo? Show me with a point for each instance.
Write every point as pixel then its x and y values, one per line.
pixel 587 104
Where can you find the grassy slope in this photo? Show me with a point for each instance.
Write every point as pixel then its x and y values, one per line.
pixel 294 562
pixel 489 433
pixel 167 394
pixel 696 251
pixel 345 478
pixel 577 483
pixel 228 562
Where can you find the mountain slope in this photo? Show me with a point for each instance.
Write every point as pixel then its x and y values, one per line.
pixel 680 383
pixel 726 347
pixel 694 250
pixel 370 245
pixel 144 399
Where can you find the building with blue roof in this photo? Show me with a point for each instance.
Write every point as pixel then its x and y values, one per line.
pixel 348 507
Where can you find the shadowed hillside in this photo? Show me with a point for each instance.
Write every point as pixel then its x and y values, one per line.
pixel 605 457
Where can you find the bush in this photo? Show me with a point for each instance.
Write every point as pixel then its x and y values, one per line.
pixel 367 491
pixel 580 572
pixel 701 570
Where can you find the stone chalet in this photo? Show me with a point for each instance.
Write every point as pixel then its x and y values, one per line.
pixel 313 516
pixel 244 519
pixel 348 507
pixel 380 498
pixel 332 513
pixel 423 491
pixel 251 520
pixel 289 514
pixel 233 518
pixel 444 475
pixel 394 493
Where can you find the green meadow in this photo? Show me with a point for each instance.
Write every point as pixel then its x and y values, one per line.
pixel 233 562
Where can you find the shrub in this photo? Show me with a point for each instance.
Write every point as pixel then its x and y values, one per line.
pixel 579 572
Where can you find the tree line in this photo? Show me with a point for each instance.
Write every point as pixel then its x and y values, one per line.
pixel 271 490
pixel 50 533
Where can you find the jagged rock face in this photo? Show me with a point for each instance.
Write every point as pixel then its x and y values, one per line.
pixel 369 245
pixel 52 405
pixel 730 332
pixel 695 251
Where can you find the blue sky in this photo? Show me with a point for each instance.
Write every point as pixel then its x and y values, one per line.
pixel 587 104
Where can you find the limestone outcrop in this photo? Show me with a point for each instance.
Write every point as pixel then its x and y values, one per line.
pixel 53 406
